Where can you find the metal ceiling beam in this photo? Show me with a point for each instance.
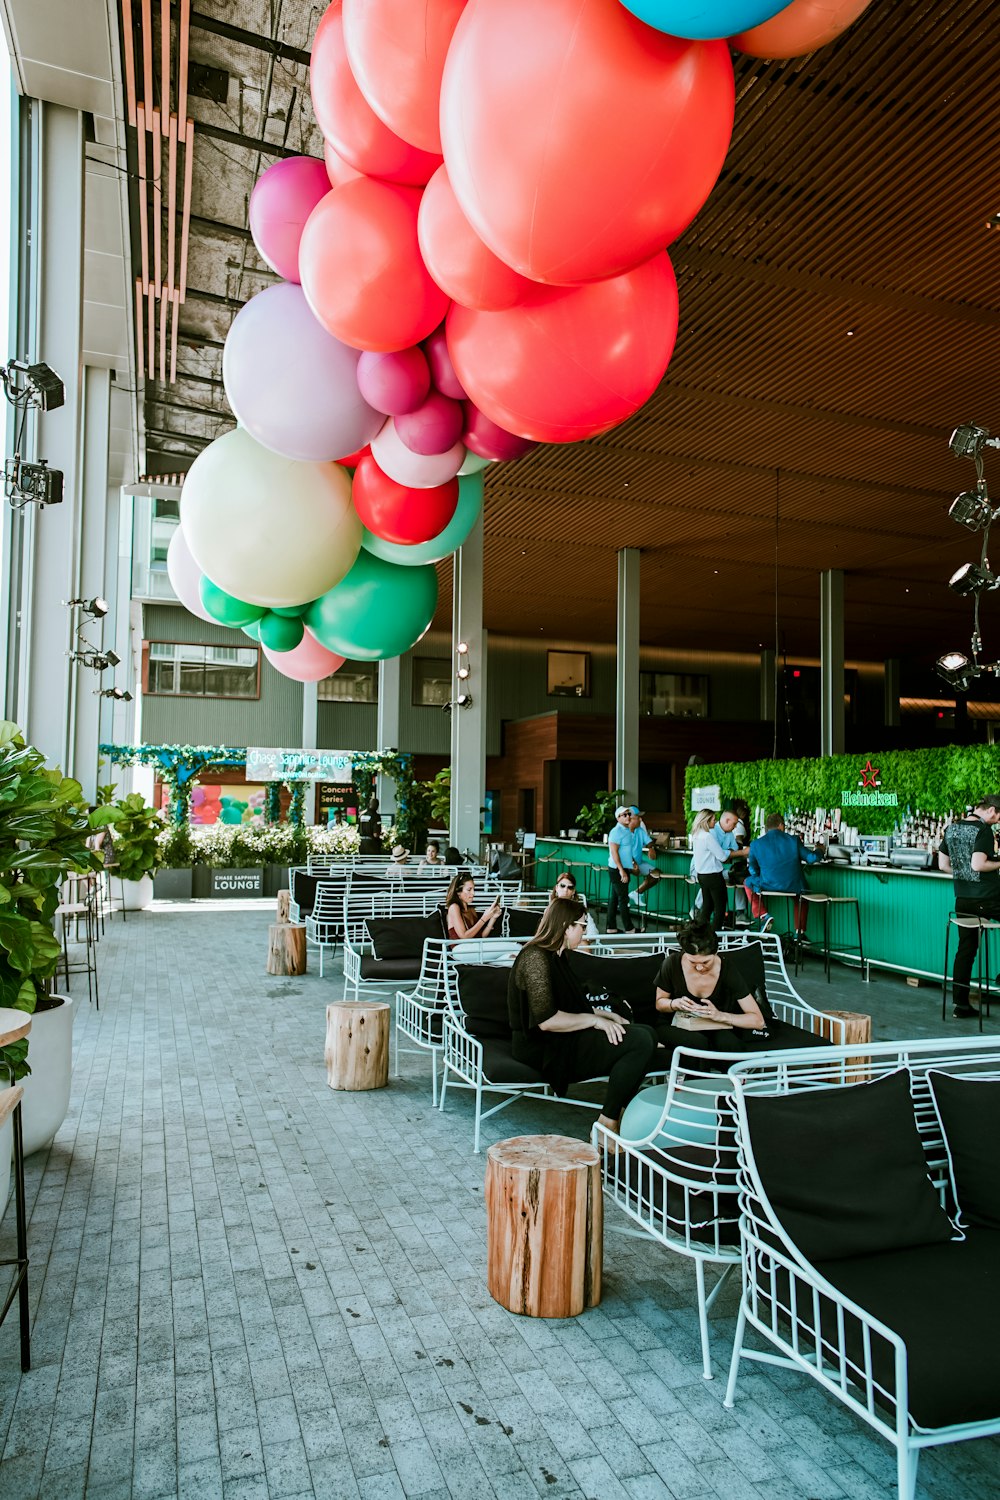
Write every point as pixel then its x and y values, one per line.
pixel 215 380
pixel 207 412
pixel 252 39
pixel 215 226
pixel 198 341
pixel 214 298
pixel 247 142
pixel 178 437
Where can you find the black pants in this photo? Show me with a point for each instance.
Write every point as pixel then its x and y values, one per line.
pixel 714 899
pixel 968 945
pixel 625 1064
pixel 618 897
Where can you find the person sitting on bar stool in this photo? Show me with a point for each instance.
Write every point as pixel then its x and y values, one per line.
pixel 968 854
pixel 774 863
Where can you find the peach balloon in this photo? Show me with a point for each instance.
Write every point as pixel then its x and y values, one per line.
pixel 801 27
pixel 337 169
pixel 306 662
pixel 397 49
pixel 464 268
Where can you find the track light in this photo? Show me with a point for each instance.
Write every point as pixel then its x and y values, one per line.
pixel 97 608
pixel 462 673
pixel 968 440
pixel 100 661
pixel 957 669
pixel 972 508
pixel 970 578
pixel 462 648
pixel 118 694
pixel 464 700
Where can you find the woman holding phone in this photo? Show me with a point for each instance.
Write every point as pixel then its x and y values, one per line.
pixel 463 919
pixel 703 997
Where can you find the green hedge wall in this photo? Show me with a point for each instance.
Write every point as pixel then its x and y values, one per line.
pixel 936 781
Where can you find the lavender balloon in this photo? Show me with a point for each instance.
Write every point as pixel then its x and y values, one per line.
pixel 417 471
pixel 185 576
pixel 434 427
pixel 292 385
pixel 394 383
pixel 281 202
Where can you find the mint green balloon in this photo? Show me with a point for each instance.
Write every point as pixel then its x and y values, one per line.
pixel 470 503
pixel 472 463
pixel 224 608
pixel 280 632
pixel 379 610
pixel 292 614
pixel 252 630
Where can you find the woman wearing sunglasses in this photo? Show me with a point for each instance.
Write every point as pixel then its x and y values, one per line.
pixel 565 890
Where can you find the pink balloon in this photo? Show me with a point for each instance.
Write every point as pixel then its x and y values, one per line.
pixel 416 470
pixel 434 427
pixel 281 202
pixel 443 375
pixel 306 662
pixel 337 169
pixel 490 441
pixel 185 577
pixel 394 383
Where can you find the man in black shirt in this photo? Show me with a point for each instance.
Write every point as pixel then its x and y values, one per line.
pixel 968 854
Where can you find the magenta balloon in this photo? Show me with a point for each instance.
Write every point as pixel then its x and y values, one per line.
pixel 484 437
pixel 394 383
pixel 185 577
pixel 281 202
pixel 416 470
pixel 292 385
pixel 306 662
pixel 442 370
pixel 434 427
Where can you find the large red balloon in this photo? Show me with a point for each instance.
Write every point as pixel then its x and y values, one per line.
pixel 397 50
pixel 573 361
pixel 337 169
pixel 578 140
pixel 348 121
pixel 397 514
pixel 361 268
pixel 456 257
pixel 801 27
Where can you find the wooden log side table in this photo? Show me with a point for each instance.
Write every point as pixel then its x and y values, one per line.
pixel 544 1225
pixel 14 1025
pixel 357 1044
pixel 284 907
pixel 286 948
pixel 857 1028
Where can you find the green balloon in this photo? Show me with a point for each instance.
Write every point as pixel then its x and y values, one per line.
pixel 470 503
pixel 279 632
pixel 472 463
pixel 292 614
pixel 252 630
pixel 224 608
pixel 377 611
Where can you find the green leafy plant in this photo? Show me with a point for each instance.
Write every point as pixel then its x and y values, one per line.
pixel 43 834
pixel 135 828
pixel 440 797
pixel 598 818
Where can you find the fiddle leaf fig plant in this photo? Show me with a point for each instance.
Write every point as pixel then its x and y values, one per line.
pixel 598 819
pixel 43 837
pixel 134 828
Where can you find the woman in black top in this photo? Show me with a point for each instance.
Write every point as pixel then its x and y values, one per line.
pixel 556 1029
pixel 706 996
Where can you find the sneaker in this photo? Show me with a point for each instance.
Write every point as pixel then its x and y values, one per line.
pixel 636 900
pixel 766 923
pixel 611 931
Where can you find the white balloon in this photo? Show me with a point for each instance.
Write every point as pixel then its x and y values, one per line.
pixel 185 576
pixel 418 471
pixel 271 530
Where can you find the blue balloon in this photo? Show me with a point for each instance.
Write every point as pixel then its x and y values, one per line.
pixel 470 503
pixel 700 20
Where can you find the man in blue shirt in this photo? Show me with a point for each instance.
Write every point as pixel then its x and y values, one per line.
pixel 775 864
pixel 621 864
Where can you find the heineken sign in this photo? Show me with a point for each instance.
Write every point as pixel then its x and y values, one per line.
pixel 868 792
pixel 299 765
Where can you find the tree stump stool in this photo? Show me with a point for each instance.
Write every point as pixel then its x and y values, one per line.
pixel 357 1044
pixel 286 948
pixel 544 1225
pixel 857 1028
pixel 284 913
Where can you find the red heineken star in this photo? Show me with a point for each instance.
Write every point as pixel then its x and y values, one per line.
pixel 869 775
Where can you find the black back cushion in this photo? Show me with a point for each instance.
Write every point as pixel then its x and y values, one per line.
pixel 969 1111
pixel 482 992
pixel 403 937
pixel 845 1169
pixel 749 961
pixel 630 979
pixel 519 923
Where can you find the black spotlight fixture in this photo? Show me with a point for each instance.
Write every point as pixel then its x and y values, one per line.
pixel 972 508
pixel 970 578
pixel 96 608
pixel 957 669
pixel 117 693
pixel 968 440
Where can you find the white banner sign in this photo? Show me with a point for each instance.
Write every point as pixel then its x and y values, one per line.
pixel 706 797
pixel 299 765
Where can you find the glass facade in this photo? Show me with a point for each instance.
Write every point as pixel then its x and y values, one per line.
pixel 191 671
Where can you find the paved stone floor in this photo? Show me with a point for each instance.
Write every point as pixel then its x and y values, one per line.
pixel 245 1285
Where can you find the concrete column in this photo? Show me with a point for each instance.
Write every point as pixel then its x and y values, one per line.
pixel 468 725
pixel 310 732
pixel 387 731
pixel 831 654
pixel 891 690
pixel 95 576
pixel 627 679
pixel 768 685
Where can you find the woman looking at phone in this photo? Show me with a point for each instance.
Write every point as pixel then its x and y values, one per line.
pixel 463 919
pixel 701 993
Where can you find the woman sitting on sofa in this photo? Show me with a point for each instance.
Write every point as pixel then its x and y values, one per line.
pixel 556 1029
pixel 705 996
pixel 565 890
pixel 463 920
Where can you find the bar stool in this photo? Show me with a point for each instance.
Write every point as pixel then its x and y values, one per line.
pixel 789 898
pixel 984 926
pixel 853 901
pixel 816 898
pixel 74 910
pixel 15 1024
pixel 674 887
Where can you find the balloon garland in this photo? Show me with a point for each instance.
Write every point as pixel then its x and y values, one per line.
pixel 477 265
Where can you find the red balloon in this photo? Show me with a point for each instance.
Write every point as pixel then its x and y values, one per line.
pixel 801 27
pixel 573 361
pixel 351 460
pixel 485 438
pixel 397 50
pixel 337 169
pixel 348 121
pixel 361 268
pixel 397 514
pixel 578 140
pixel 456 257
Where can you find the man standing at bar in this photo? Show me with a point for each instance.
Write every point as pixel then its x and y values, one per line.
pixel 968 854
pixel 621 863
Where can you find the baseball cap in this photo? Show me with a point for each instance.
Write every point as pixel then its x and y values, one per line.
pixel 620 810
pixel 635 811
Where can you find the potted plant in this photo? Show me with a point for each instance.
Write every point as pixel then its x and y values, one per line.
pixel 43 837
pixel 598 819
pixel 173 880
pixel 134 828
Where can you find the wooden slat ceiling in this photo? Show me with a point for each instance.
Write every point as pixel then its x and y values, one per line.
pixel 840 311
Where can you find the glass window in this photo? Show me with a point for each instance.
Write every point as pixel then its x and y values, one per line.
pixel 569 674
pixel 166 518
pixel 431 681
pixel 355 682
pixel 673 695
pixel 193 671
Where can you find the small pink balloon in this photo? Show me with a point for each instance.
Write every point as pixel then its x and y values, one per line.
pixel 306 662
pixel 434 427
pixel 281 202
pixel 418 471
pixel 443 374
pixel 394 383
pixel 490 441
pixel 185 577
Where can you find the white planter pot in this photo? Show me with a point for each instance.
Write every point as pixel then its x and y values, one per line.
pixel 6 1152
pixel 47 1086
pixel 137 894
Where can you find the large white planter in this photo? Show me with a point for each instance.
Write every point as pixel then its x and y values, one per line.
pixel 137 894
pixel 47 1086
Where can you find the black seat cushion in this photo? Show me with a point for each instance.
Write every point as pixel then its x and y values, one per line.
pixel 482 993
pixel 403 937
pixel 784 1035
pixel 969 1111
pixel 944 1302
pixel 710 1219
pixel 501 1066
pixel 518 923
pixel 389 968
pixel 630 979
pixel 845 1170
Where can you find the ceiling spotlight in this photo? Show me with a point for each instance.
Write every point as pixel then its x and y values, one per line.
pixel 98 608
pixel 972 508
pixel 462 649
pixel 464 700
pixel 970 578
pixel 462 673
pixel 968 440
pixel 956 668
pixel 111 659
pixel 32 385
pixel 117 693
